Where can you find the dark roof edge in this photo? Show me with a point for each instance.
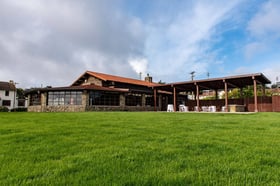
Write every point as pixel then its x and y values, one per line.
pixel 267 81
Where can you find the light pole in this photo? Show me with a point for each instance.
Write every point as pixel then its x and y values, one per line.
pixel 192 74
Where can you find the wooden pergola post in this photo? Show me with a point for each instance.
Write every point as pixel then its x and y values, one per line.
pixel 197 96
pixel 255 94
pixel 226 96
pixel 174 99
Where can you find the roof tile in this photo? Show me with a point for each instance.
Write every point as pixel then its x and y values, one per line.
pixel 108 77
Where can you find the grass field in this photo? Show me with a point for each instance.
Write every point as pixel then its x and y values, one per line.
pixel 139 148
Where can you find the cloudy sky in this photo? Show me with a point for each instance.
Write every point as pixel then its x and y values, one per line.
pixel 53 42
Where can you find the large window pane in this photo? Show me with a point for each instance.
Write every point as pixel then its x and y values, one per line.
pixel 133 100
pixel 65 98
pixel 104 98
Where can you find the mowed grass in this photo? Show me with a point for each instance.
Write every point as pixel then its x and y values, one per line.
pixel 139 148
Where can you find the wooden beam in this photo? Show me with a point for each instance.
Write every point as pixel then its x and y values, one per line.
pixel 255 94
pixel 233 85
pixel 226 96
pixel 205 87
pixel 174 99
pixel 197 97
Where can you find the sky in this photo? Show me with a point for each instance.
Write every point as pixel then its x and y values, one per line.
pixel 51 43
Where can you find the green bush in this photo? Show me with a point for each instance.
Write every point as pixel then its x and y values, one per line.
pixel 4 109
pixel 19 110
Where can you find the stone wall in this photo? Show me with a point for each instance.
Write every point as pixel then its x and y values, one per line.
pixel 36 108
pixel 119 108
pixel 58 108
pixel 80 108
pixel 122 100
pixel 93 80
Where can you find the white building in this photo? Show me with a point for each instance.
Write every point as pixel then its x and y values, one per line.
pixel 8 94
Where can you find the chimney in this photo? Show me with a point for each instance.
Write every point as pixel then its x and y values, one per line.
pixel 149 79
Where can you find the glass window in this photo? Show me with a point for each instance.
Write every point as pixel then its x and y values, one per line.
pixel 6 103
pixel 133 100
pixel 150 100
pixel 7 93
pixel 65 98
pixel 104 98
pixel 35 99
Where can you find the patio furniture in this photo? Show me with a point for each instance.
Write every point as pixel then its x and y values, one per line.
pixel 170 108
pixel 183 108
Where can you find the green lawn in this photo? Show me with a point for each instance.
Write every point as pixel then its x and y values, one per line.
pixel 139 148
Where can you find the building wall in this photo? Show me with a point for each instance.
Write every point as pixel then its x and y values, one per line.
pixel 93 80
pixel 85 98
pixel 10 97
pixel 85 107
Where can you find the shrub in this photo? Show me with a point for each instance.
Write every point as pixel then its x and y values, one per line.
pixel 4 109
pixel 19 110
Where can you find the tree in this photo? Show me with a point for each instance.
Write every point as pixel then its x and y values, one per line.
pixel 247 92
pixel 20 93
pixel 234 94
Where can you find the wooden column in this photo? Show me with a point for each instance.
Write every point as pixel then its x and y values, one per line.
pixel 174 99
pixel 255 94
pixel 155 100
pixel 226 96
pixel 197 97
pixel 160 102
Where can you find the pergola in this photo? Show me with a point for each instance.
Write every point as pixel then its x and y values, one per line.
pixel 216 84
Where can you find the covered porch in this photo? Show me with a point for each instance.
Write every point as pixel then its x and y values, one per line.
pixel 217 85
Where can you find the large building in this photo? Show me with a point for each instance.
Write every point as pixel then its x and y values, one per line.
pixel 94 91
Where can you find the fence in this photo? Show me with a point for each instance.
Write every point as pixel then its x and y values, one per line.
pixel 265 103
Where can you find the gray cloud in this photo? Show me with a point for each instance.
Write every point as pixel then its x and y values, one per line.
pixel 53 42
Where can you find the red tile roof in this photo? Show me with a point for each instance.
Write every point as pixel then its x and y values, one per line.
pixel 108 77
pixel 76 88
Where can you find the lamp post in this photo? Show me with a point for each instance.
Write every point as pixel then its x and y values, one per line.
pixel 192 75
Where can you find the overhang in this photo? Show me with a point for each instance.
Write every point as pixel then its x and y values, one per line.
pixel 239 81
